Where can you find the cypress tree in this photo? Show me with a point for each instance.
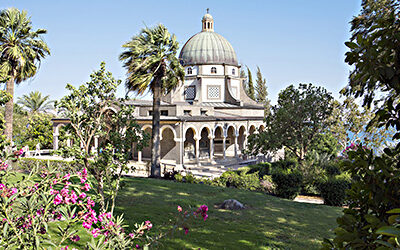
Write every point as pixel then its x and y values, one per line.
pixel 250 86
pixel 262 93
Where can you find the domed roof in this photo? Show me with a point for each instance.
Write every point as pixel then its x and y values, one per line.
pixel 208 47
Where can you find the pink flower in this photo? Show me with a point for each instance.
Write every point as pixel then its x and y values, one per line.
pixel 82 196
pixel 90 202
pixel 108 215
pixel 83 180
pixel 67 176
pixel 204 208
pixel 86 225
pixel 148 224
pixel 137 246
pixel 13 190
pixel 2 186
pixel 179 208
pixel 186 230
pixel 58 199
pixel 95 232
pixel 86 187
pixel 132 235
pixel 75 238
pixel 84 172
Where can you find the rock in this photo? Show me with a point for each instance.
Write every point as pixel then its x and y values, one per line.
pixel 232 204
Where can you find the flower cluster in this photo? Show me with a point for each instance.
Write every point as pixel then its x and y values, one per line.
pixel 3 166
pixel 202 210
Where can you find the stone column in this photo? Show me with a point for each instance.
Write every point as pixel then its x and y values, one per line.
pixel 179 159
pixel 235 144
pixel 55 138
pixel 197 148
pixel 96 142
pixel 55 141
pixel 211 138
pixel 139 156
pixel 224 146
pixel 68 142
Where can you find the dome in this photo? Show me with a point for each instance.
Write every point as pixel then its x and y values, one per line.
pixel 208 47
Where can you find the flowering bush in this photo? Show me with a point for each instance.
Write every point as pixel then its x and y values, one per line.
pixel 32 204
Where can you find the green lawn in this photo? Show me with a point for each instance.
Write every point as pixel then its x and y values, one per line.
pixel 269 222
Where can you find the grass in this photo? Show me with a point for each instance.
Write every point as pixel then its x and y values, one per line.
pixel 268 223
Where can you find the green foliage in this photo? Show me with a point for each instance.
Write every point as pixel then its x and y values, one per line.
pixel 393 230
pixel 60 166
pixel 375 190
pixel 261 92
pixel 250 86
pixel 295 122
pixel 333 189
pixel 352 124
pixel 263 169
pixel 376 187
pixel 94 111
pixel 38 130
pixel 151 63
pixel 21 48
pixel 34 102
pixel 241 179
pixel 288 183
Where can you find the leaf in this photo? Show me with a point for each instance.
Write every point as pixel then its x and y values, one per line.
pixel 351 45
pixel 394 211
pixel 389 230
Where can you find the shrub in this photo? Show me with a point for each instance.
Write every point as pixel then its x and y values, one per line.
pixel 332 168
pixel 288 164
pixel 333 189
pixel 178 177
pixel 262 169
pixel 239 179
pixel 288 183
pixel 26 164
pixel 267 184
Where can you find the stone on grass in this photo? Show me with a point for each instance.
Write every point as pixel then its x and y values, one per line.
pixel 232 204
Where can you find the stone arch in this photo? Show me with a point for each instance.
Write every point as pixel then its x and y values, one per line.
pixel 167 127
pixel 209 129
pixel 204 144
pixel 194 130
pixel 252 129
pixel 167 142
pixel 190 143
pixel 147 150
pixel 221 127
pixel 242 137
pixel 230 141
pixel 218 140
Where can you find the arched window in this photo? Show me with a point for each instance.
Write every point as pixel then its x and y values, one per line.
pixel 213 70
pixel 189 71
pixel 233 71
pixel 209 25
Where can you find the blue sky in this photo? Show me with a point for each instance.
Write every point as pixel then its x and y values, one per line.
pixel 292 41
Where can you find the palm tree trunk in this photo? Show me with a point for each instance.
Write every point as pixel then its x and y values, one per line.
pixel 9 109
pixel 156 146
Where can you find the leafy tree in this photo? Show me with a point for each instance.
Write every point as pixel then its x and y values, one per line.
pixel 39 129
pixel 374 53
pixel 88 109
pixel 250 85
pixel 22 50
pixel 151 63
pixel 295 122
pixel 262 93
pixel 350 126
pixel 4 98
pixel 35 102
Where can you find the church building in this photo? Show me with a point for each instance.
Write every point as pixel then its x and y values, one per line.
pixel 209 116
pixel 207 119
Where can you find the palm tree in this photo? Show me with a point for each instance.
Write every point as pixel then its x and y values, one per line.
pixel 35 102
pixel 151 63
pixel 21 51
